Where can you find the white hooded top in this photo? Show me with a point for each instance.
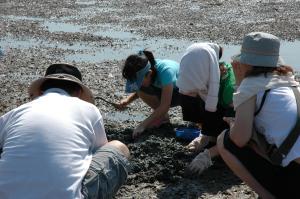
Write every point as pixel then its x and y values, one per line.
pixel 199 73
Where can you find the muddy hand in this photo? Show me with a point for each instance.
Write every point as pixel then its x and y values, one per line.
pixel 122 105
pixel 198 144
pixel 229 120
pixel 138 131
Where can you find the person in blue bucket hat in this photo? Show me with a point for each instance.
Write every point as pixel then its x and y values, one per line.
pixel 266 103
pixel 154 81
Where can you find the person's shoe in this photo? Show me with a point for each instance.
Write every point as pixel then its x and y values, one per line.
pixel 200 163
pixel 199 143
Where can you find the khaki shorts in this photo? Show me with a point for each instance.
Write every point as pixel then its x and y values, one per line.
pixel 107 172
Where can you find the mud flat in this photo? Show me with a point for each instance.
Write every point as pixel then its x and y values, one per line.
pixel 98 35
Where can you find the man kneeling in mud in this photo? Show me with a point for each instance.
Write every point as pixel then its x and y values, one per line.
pixel 56 147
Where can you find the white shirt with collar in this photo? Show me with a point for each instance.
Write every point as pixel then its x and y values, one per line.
pixel 47 146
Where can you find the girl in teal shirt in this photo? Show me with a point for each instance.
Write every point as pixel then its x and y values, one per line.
pixel 154 81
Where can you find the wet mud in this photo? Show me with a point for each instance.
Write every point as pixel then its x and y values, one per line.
pixel 98 35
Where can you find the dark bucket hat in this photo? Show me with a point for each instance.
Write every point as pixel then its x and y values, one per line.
pixel 65 72
pixel 260 49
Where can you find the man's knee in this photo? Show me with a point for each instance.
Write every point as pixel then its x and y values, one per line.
pixel 108 170
pixel 121 147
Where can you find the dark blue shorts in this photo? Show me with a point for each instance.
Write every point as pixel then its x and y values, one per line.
pixel 153 90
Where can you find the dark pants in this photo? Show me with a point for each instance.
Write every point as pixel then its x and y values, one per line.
pixel 193 110
pixel 155 91
pixel 282 182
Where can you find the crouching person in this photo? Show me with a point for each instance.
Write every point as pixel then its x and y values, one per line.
pixel 55 146
pixel 206 88
pixel 264 101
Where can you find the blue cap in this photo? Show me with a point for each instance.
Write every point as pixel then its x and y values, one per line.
pixel 135 85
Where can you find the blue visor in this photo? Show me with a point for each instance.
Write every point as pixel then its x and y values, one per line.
pixel 135 85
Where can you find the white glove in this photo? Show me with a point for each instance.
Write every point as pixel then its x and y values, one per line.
pixel 201 162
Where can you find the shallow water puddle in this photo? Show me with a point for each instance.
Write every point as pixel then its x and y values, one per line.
pixel 62 27
pixel 166 48
pixel 9 43
pixel 85 2
pixel 115 34
pixel 174 49
pixel 105 31
pixel 128 43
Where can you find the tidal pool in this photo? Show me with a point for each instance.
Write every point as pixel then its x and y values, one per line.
pixel 128 43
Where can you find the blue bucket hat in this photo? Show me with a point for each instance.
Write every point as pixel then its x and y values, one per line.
pixel 260 49
pixel 135 85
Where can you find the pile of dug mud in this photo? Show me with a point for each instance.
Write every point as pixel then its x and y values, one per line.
pixel 158 168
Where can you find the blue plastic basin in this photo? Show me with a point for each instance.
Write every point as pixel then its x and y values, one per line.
pixel 187 133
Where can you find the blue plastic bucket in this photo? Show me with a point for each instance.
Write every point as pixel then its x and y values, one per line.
pixel 187 133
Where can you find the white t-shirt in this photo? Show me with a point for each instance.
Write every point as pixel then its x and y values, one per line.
pixel 47 147
pixel 277 118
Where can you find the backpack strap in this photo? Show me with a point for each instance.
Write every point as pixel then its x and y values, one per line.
pixel 290 140
pixel 262 102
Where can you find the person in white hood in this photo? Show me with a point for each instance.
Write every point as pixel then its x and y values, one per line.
pixel 199 80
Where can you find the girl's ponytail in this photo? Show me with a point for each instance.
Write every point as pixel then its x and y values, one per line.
pixel 136 62
pixel 151 59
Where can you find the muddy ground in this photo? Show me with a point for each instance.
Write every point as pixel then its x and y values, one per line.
pixel 98 35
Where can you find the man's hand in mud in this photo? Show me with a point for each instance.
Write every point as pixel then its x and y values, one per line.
pixel 122 105
pixel 138 131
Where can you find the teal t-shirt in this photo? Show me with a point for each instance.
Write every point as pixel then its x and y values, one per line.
pixel 167 72
pixel 227 83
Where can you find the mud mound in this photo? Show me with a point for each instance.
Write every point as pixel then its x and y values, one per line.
pixel 158 162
